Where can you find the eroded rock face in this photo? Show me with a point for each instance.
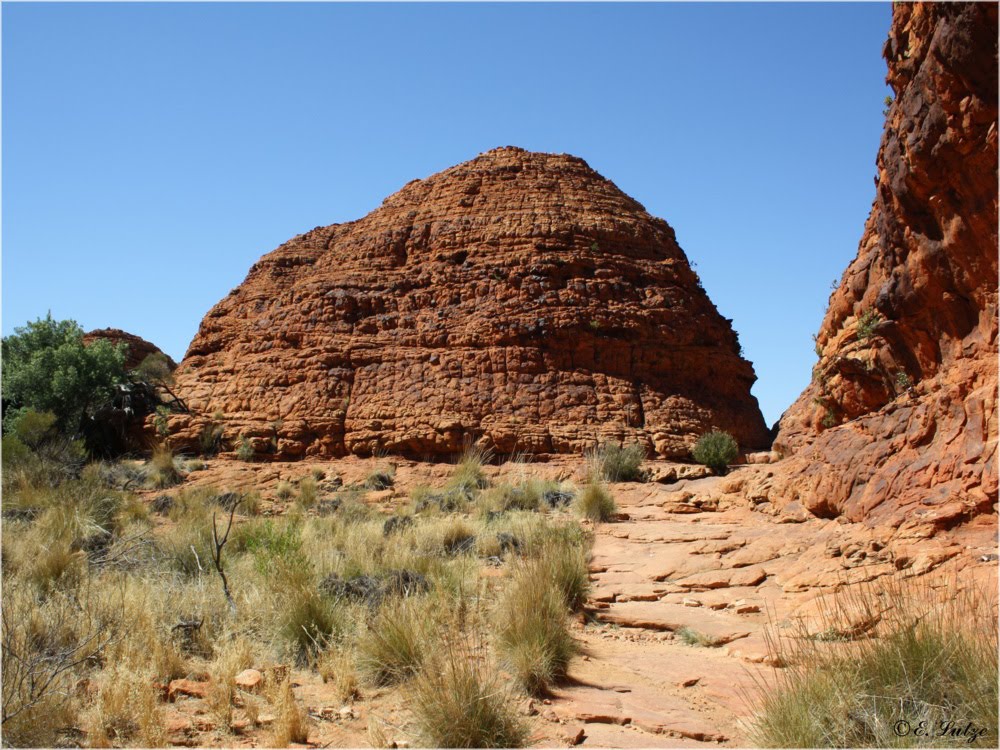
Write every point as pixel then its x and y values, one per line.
pixel 518 300
pixel 138 348
pixel 900 419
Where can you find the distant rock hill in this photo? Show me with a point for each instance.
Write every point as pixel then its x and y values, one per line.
pixel 519 300
pixel 899 423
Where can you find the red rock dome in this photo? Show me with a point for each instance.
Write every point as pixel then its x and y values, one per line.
pixel 519 300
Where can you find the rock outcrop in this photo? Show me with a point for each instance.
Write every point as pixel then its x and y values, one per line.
pixel 137 348
pixel 899 423
pixel 519 300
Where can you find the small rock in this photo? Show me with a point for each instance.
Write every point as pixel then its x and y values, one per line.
pixel 249 680
pixel 186 687
pixel 550 715
pixel 691 603
pixel 689 682
pixel 577 738
pixel 346 713
pixel 528 708
pixel 746 609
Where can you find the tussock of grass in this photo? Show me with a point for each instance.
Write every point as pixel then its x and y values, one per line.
pixel 932 659
pixel 307 492
pixel 618 463
pixel 291 724
pixel 459 701
pixel 397 642
pixel 468 477
pixel 532 631
pixel 595 502
pixel 336 667
pixel 381 478
pixel 284 490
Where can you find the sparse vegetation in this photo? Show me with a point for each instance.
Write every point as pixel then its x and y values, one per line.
pixel 934 661
pixel 381 478
pixel 162 471
pixel 189 582
pixel 716 450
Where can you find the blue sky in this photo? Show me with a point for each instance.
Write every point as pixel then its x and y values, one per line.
pixel 152 152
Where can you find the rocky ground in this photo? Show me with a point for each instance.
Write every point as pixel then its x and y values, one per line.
pixel 690 583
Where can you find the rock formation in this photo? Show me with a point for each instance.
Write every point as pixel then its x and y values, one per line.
pixel 518 300
pixel 137 347
pixel 899 422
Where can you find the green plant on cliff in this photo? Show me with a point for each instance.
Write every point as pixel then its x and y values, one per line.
pixel 245 451
pixel 716 450
pixel 866 324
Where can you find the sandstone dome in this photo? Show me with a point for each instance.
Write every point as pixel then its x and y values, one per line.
pixel 519 301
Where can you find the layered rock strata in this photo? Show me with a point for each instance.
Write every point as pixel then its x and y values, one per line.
pixel 519 301
pixel 899 422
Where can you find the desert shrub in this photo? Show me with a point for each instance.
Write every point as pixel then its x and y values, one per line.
pixel 933 659
pixel 532 633
pixel 154 368
pixel 245 451
pixel 459 701
pixel 457 537
pixel 595 502
pixel 618 463
pixel 396 642
pixel 162 471
pixel 46 367
pixel 716 450
pixel 284 490
pixel 317 473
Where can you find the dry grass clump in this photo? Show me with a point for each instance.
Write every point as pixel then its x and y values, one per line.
pixel 162 470
pixel 616 462
pixel 532 630
pixel 397 641
pixel 693 637
pixel 595 502
pixel 307 492
pixel 468 477
pixel 458 700
pixel 381 478
pixel 284 490
pixel 903 653
pixel 291 724
pixel 336 666
pixel 126 711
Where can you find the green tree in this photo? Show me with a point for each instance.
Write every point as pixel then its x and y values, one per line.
pixel 46 367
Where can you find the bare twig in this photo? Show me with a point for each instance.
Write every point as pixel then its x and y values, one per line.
pixel 219 544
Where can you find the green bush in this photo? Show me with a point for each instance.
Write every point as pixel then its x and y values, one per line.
pixel 716 450
pixel 46 367
pixel 619 463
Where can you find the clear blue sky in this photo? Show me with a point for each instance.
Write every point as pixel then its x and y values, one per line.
pixel 151 153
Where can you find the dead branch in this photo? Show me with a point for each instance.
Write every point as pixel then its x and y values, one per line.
pixel 219 544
